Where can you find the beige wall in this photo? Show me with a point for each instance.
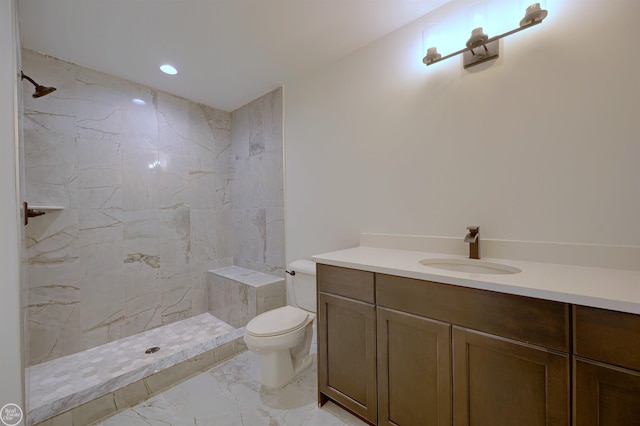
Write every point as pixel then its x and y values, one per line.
pixel 543 144
pixel 10 362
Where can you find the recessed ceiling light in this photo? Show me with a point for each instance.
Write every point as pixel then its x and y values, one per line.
pixel 138 101
pixel 168 69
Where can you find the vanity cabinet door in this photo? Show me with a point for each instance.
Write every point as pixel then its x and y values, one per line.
pixel 605 395
pixel 347 354
pixel 502 382
pixel 414 370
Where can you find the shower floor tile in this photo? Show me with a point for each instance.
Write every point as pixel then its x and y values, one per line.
pixel 63 383
pixel 230 394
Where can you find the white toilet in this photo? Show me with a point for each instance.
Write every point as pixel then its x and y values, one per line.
pixel 282 337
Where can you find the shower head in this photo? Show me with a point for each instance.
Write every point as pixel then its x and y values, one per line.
pixel 40 90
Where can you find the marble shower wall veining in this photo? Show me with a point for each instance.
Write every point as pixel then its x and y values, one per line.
pixel 147 196
pixel 257 185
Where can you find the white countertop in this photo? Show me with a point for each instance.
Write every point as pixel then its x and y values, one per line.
pixel 614 289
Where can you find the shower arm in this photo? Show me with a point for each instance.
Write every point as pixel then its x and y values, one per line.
pixel 23 76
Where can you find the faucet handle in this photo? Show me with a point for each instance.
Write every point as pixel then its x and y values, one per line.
pixel 473 229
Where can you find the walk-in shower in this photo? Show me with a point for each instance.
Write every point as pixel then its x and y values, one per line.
pixel 126 249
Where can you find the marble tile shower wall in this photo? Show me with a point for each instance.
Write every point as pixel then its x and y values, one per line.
pixel 147 207
pixel 257 185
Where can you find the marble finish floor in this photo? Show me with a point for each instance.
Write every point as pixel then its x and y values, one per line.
pixel 63 383
pixel 231 394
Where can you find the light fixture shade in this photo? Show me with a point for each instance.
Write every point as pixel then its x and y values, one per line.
pixel 533 14
pixel 478 38
pixel 432 55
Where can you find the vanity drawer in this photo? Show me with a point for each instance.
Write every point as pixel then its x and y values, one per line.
pixel 531 320
pixel 346 282
pixel 608 336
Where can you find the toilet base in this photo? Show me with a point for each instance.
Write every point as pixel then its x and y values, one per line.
pixel 303 364
pixel 277 368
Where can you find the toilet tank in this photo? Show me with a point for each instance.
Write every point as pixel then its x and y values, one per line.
pixel 304 284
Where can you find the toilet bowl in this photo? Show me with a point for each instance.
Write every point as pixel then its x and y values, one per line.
pixel 282 336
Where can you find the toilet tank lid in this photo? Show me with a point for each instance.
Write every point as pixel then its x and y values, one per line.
pixel 303 266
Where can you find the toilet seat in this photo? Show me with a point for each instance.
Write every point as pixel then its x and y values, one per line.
pixel 277 322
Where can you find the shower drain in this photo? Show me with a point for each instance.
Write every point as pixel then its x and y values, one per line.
pixel 152 350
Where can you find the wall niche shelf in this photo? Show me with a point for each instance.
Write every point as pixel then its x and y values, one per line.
pixel 46 207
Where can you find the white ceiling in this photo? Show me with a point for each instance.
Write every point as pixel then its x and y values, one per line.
pixel 228 52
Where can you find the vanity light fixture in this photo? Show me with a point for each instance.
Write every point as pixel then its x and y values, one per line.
pixel 480 48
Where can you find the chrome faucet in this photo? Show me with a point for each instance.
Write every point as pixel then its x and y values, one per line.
pixel 473 238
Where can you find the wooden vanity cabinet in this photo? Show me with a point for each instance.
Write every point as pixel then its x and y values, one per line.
pixel 401 351
pixel 347 340
pixel 509 354
pixel 606 364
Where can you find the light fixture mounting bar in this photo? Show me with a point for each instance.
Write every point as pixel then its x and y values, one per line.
pixel 491 52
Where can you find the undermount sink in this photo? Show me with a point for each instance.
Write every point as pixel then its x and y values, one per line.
pixel 471 266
